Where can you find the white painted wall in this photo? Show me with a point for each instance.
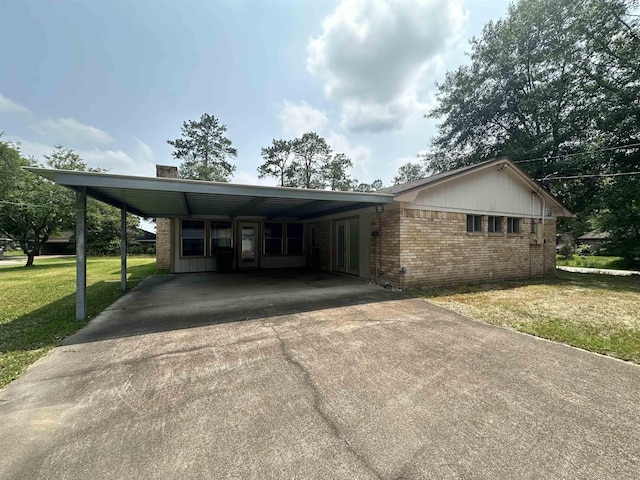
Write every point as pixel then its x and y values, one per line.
pixel 487 192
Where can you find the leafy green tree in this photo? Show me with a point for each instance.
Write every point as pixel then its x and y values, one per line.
pixel 409 172
pixel 555 84
pixel 104 221
pixel 368 187
pixel 33 208
pixel 311 153
pixel 335 172
pixel 278 162
pixel 204 150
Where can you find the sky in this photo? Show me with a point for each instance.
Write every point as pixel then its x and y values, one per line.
pixel 114 80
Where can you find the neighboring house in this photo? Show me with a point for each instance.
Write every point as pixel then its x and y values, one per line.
pixel 147 239
pixel 59 244
pixel 593 239
pixel 489 221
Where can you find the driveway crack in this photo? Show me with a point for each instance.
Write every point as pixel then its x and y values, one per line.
pixel 317 405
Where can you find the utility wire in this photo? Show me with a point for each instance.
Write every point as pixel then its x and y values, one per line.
pixel 567 155
pixel 24 204
pixel 589 176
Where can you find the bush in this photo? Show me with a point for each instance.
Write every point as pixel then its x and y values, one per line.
pixel 584 250
pixel 565 250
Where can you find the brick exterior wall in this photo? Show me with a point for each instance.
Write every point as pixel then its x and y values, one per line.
pixel 436 249
pixel 164 237
pixel 323 243
pixel 385 248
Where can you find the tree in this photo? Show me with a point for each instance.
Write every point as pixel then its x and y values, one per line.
pixel 335 173
pixel 409 172
pixel 555 84
pixel 368 187
pixel 204 150
pixel 277 162
pixel 33 207
pixel 311 153
pixel 104 222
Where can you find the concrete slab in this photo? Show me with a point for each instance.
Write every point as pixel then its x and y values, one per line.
pixel 281 375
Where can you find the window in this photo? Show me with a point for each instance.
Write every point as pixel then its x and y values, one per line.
pixel 273 239
pixel 494 225
pixel 294 238
pixel 513 225
pixel 193 238
pixel 221 234
pixel 474 223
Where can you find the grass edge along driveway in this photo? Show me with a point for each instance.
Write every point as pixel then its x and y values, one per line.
pixel 599 313
pixel 37 304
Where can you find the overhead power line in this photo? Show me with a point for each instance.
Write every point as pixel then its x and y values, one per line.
pixel 569 177
pixel 568 155
pixel 21 204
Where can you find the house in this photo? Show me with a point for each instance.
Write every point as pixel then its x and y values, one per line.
pixel 62 244
pixel 489 221
pixel 593 239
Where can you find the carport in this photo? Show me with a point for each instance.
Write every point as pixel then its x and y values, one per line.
pixel 178 198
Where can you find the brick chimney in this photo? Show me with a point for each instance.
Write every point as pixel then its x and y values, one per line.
pixel 166 171
pixel 164 243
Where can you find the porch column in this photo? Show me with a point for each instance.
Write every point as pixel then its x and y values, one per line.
pixel 123 249
pixel 81 254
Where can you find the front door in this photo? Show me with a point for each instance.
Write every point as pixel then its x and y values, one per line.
pixel 347 246
pixel 249 251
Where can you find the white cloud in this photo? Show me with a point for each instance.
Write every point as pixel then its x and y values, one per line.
pixel 359 155
pixel 377 57
pixel 69 130
pixel 115 161
pixel 299 118
pixel 143 151
pixel 9 106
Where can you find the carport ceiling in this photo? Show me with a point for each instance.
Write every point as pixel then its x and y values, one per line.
pixel 169 197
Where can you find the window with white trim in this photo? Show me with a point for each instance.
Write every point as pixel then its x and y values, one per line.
pixel 221 235
pixel 295 234
pixel 193 236
pixel 273 239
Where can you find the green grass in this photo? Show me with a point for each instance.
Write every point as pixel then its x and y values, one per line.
pixel 37 304
pixel 592 261
pixel 599 313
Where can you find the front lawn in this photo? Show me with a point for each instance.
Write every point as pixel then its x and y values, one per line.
pixel 37 304
pixel 600 313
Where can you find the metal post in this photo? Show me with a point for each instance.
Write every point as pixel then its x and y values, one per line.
pixel 81 254
pixel 123 249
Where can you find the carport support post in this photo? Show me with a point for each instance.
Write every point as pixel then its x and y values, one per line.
pixel 123 249
pixel 81 254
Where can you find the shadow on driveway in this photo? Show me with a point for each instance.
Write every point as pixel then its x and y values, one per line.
pixel 175 302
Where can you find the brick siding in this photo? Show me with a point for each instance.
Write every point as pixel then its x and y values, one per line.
pixel 436 249
pixel 164 238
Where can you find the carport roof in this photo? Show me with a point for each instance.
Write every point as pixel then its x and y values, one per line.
pixel 170 197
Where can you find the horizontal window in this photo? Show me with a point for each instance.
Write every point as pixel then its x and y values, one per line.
pixel 513 225
pixel 474 223
pixel 494 224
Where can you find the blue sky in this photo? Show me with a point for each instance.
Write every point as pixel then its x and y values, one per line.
pixel 115 79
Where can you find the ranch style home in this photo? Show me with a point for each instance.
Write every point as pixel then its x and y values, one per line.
pixel 489 221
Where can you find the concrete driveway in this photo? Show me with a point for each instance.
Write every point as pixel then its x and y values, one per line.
pixel 302 376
